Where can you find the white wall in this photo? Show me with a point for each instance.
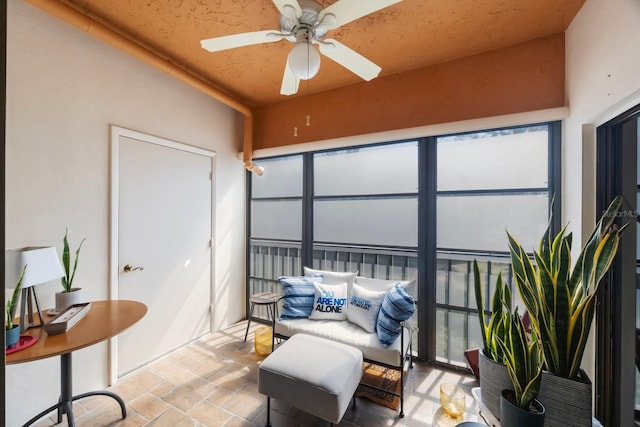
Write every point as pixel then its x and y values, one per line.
pixel 64 89
pixel 603 80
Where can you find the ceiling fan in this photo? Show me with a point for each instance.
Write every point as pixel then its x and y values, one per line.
pixel 305 23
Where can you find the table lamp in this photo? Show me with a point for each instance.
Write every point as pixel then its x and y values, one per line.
pixel 43 265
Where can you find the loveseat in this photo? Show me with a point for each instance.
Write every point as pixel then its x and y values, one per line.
pixel 373 316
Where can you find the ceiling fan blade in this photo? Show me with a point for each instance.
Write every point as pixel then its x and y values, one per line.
pixel 243 39
pixel 284 5
pixel 346 11
pixel 349 59
pixel 290 81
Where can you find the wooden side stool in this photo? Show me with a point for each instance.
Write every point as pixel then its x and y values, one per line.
pixel 268 299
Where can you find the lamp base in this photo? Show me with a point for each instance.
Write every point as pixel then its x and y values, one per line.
pixel 27 320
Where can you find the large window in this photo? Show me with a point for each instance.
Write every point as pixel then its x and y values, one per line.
pixel 363 209
pixel 275 225
pixel 488 183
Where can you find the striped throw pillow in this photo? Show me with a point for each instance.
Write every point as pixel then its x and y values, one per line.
pixel 298 296
pixel 397 306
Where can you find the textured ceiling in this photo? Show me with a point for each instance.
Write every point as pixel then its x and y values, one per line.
pixel 408 35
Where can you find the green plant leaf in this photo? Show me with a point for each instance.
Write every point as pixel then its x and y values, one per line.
pixel 546 286
pixel 507 299
pixel 75 264
pixel 562 296
pixel 500 307
pixel 66 260
pixel 580 325
pixel 523 275
pixel 605 253
pixel 69 274
pixel 12 303
pixel 546 242
pixel 480 304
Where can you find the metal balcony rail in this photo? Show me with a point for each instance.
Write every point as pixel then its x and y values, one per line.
pixel 457 323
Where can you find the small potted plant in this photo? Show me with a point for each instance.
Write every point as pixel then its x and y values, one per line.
pixel 12 331
pixel 69 295
pixel 493 375
pixel 519 407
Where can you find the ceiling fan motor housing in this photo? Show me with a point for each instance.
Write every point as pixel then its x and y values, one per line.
pixel 304 27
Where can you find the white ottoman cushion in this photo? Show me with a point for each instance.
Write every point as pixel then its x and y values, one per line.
pixel 313 374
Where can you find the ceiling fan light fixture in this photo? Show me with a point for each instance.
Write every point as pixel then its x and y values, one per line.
pixel 304 60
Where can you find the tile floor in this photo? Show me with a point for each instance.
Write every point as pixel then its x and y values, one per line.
pixel 213 382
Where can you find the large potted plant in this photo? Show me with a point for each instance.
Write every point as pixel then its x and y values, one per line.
pixel 12 331
pixel 493 374
pixel 519 406
pixel 69 295
pixel 561 304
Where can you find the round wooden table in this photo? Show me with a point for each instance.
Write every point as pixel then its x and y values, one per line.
pixel 104 320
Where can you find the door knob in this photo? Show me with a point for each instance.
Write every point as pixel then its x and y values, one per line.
pixel 129 268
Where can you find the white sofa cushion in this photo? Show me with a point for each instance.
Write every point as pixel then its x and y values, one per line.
pixel 332 277
pixel 382 285
pixel 347 333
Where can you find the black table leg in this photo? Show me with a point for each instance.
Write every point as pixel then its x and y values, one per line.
pixel 249 321
pixel 65 403
pixel 268 411
pixel 66 383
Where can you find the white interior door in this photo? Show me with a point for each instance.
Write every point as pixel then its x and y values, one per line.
pixel 164 237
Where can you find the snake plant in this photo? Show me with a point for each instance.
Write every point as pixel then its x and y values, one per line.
pixel 12 304
pixel 500 308
pixel 561 301
pixel 69 274
pixel 522 358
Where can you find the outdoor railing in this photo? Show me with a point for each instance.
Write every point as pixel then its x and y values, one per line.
pixel 456 314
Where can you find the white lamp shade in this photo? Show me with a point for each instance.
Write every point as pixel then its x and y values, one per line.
pixel 304 60
pixel 42 264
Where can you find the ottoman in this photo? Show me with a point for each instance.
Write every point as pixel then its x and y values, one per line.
pixel 313 374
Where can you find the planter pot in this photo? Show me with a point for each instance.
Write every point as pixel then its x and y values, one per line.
pixel 514 416
pixel 493 379
pixel 66 299
pixel 472 358
pixel 567 402
pixel 12 336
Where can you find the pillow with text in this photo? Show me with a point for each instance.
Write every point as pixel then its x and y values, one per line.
pixel 364 306
pixel 330 302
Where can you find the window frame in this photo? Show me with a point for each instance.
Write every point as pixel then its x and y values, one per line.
pixel 427 193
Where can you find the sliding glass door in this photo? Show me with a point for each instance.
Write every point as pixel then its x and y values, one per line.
pixel 618 313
